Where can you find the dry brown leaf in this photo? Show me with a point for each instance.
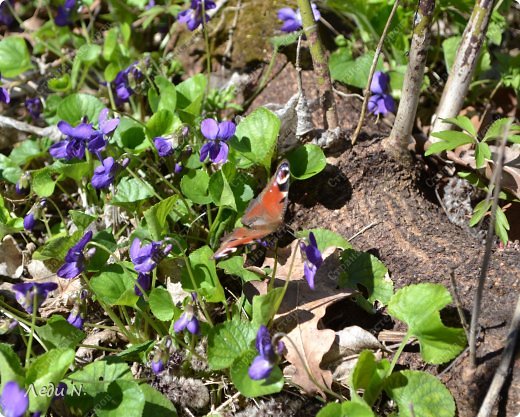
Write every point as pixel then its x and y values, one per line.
pixel 300 313
pixel 11 259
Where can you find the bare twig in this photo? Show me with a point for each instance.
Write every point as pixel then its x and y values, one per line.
pixel 369 226
pixel 494 186
pixel 458 304
pixel 502 370
pixel 345 95
pixel 372 71
pixel 51 132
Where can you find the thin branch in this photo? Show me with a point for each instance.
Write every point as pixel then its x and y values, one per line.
pixel 495 186
pixel 372 71
pixel 458 303
pixel 502 370
pixel 51 132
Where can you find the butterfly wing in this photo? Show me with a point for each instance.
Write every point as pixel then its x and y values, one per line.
pixel 268 209
pixel 263 215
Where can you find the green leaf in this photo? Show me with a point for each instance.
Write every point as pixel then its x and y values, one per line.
pixel 265 306
pixel 423 391
pixel 346 409
pixel 326 238
pixel 59 333
pixel 57 247
pixel 195 186
pixel 449 47
pixel 156 404
pixel 161 304
pixel 450 140
pixel 136 353
pixel 115 286
pixel 352 72
pixel 256 135
pixel 501 225
pixel 167 93
pixel 46 369
pixel 76 170
pixel 228 341
pixel 482 152
pixel 43 183
pixel 26 151
pixel 130 134
pixel 497 129
pixel 364 269
pixel 235 266
pixel 110 43
pixel 285 39
pixel 157 214
pixel 189 97
pixel 254 388
pixel 100 257
pixel 14 56
pixel 74 107
pixel 10 367
pixel 419 307
pixel 479 212
pixel 205 276
pixel 86 55
pixel 122 399
pixel 160 123
pixel 306 161
pixel 220 191
pixel 132 190
pixel 80 219
pixel 369 376
pixel 464 123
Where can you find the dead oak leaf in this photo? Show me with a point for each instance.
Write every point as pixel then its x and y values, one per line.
pixel 300 313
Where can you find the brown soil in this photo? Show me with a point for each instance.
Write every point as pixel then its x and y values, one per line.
pixel 412 236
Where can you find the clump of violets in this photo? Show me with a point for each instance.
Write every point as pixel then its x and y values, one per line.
pixel 122 83
pixel 64 15
pixel 313 259
pixel 217 135
pixel 83 136
pixel 292 19
pixel 4 95
pixel 187 321
pixel 380 102
pixel 35 213
pixel 193 17
pixel 29 294
pixel 145 258
pixel 75 258
pixel 268 355
pixel 14 401
pixel 34 107
pixel 105 174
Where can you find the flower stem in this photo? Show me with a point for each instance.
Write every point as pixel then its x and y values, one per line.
pixel 31 333
pixel 398 353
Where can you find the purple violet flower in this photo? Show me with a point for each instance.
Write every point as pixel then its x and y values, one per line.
pixel 4 95
pixel 27 293
pixel 187 321
pixel 147 257
pixel 217 135
pixel 22 186
pixel 380 102
pixel 193 16
pixel 34 106
pixel 76 318
pixel 74 144
pixel 64 15
pixel 14 401
pixel 75 259
pixel 292 19
pixel 34 214
pixel 164 146
pixel 99 139
pixel 122 83
pixel 29 221
pixel 267 358
pixel 144 281
pixel 6 18
pixel 104 174
pixel 157 365
pixel 313 259
pixel 177 169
